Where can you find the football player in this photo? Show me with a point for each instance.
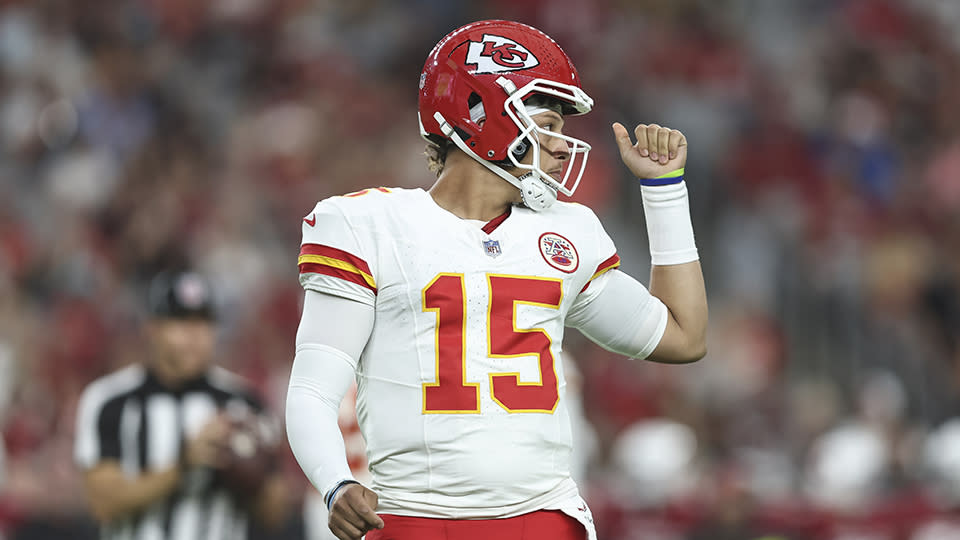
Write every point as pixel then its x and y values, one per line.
pixel 448 306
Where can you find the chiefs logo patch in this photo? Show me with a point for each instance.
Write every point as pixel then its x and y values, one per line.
pixel 497 54
pixel 559 252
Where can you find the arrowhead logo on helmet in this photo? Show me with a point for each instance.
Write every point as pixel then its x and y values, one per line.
pixel 497 54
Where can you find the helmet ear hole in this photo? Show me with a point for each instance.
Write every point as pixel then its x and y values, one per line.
pixel 477 113
pixel 520 149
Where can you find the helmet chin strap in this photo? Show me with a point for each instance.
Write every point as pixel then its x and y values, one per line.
pixel 536 194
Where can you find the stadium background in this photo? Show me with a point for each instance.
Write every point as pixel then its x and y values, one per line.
pixel 825 185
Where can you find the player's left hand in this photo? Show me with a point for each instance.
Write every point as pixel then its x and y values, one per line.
pixel 353 512
pixel 658 150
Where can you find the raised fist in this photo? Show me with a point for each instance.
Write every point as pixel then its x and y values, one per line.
pixel 658 150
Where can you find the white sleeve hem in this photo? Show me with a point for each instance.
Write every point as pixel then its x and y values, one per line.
pixel 623 317
pixel 337 287
pixel 662 317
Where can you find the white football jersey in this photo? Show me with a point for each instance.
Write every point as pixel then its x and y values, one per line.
pixel 460 386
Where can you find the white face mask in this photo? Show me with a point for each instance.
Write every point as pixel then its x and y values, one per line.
pixel 478 114
pixel 537 194
pixel 538 189
pixel 530 134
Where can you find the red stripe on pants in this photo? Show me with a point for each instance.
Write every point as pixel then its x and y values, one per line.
pixel 540 525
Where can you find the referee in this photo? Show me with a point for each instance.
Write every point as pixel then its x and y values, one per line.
pixel 154 439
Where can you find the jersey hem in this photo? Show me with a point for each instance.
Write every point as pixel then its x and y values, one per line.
pixel 430 505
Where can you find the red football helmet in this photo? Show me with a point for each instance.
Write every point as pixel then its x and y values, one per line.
pixel 472 91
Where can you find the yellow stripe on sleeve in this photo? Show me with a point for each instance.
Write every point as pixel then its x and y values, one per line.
pixel 337 263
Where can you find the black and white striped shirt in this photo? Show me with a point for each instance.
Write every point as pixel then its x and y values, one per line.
pixel 130 418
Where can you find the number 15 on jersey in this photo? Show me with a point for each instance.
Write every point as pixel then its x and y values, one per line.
pixel 445 295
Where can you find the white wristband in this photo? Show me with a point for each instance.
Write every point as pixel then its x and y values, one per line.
pixel 667 211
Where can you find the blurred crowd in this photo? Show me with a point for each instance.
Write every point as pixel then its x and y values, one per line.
pixel 825 185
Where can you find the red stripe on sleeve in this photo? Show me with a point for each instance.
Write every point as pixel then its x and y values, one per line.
pixel 612 262
pixel 327 251
pixel 314 268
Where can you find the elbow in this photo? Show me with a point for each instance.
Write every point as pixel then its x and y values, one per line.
pixel 293 416
pixel 689 356
pixel 695 346
pixel 685 353
pixel 697 352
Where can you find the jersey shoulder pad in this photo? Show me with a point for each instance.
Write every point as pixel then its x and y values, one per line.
pixel 576 212
pixel 338 252
pixel 369 199
pixel 354 209
pixel 351 203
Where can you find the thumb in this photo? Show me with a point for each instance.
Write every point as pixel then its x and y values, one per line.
pixel 623 138
pixel 682 154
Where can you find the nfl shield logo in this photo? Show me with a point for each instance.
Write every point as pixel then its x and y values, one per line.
pixel 491 248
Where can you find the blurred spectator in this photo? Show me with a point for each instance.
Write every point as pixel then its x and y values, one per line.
pixel 942 464
pixel 657 458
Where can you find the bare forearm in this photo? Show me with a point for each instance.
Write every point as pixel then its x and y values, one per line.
pixel 657 160
pixel 113 495
pixel 680 287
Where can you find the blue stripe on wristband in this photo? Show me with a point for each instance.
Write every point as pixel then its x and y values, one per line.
pixel 661 181
pixel 333 492
pixel 672 177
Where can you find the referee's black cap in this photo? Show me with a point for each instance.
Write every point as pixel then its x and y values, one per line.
pixel 180 295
